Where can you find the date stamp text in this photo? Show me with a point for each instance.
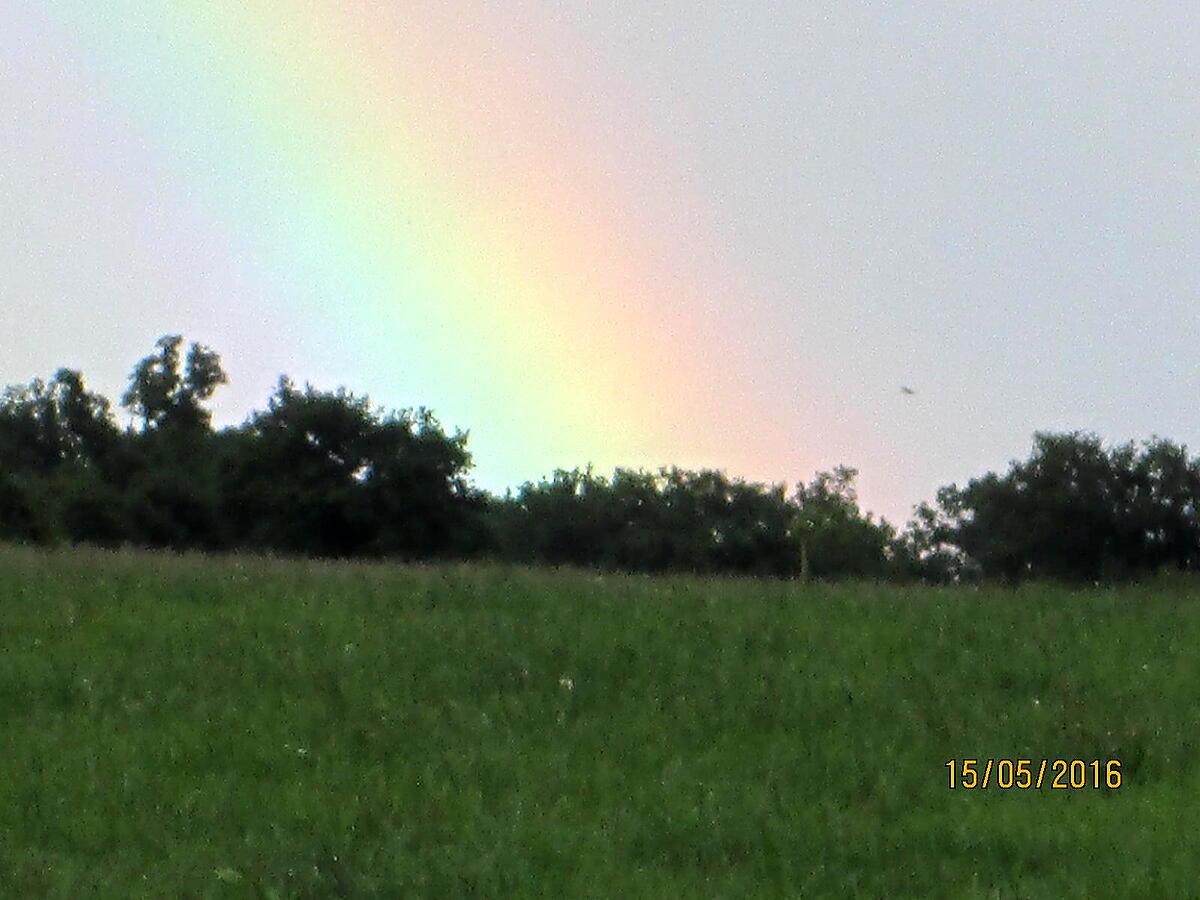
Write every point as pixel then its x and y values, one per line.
pixel 1034 774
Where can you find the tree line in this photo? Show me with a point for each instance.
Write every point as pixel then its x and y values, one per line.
pixel 327 474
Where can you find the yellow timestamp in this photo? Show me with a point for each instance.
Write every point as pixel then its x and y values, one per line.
pixel 1034 774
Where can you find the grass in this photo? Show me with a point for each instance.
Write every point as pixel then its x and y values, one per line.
pixel 191 727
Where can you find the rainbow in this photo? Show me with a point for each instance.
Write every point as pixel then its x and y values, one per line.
pixel 397 175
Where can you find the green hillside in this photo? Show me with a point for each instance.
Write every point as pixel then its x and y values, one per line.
pixel 192 727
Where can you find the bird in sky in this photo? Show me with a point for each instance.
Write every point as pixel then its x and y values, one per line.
pixel 907 391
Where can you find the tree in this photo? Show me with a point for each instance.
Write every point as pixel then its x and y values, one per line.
pixel 19 511
pixel 164 392
pixel 836 538
pixel 55 437
pixel 326 474
pixel 927 551
pixel 1160 512
pixel 46 425
pixel 679 520
pixel 171 467
pixel 1077 510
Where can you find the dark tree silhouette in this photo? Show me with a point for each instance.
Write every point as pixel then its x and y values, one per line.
pixel 325 473
pixel 167 391
pixel 1074 510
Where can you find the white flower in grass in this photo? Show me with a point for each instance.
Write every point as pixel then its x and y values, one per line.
pixel 566 682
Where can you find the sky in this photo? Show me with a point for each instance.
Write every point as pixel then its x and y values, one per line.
pixel 617 233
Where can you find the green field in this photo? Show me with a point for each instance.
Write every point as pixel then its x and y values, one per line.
pixel 191 727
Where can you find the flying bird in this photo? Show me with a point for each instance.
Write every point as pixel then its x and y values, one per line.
pixel 907 391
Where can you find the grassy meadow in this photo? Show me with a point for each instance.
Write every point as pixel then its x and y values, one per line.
pixel 246 728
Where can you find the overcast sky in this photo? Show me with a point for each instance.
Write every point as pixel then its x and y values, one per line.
pixel 994 204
